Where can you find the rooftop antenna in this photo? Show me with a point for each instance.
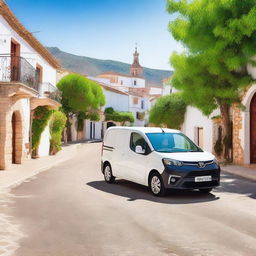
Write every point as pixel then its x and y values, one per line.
pixel 162 130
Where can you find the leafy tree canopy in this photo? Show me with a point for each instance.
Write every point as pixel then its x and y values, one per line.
pixel 80 94
pixel 168 111
pixel 219 38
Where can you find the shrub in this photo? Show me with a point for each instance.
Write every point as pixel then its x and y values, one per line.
pixel 168 111
pixel 57 125
pixel 118 116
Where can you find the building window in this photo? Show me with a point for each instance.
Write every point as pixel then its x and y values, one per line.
pixel 135 100
pixel 142 104
pixel 134 82
pixel 121 82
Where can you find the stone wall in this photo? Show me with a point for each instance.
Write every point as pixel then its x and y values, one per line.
pixel 238 152
pixel 10 109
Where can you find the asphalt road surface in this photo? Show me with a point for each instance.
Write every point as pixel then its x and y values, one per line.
pixel 70 211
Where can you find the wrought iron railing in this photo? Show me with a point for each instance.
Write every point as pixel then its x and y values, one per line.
pixel 50 91
pixel 18 69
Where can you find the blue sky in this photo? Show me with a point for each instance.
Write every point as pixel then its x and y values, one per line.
pixel 103 29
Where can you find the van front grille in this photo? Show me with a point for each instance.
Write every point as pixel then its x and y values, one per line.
pixel 213 173
pixel 191 184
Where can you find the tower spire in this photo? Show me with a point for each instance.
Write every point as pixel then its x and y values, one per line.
pixel 136 69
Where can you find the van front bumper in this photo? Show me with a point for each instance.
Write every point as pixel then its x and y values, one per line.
pixel 185 177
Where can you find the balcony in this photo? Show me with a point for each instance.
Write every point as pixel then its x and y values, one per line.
pixel 49 96
pixel 50 91
pixel 18 70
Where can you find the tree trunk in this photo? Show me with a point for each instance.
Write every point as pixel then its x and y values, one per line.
pixel 67 131
pixel 227 141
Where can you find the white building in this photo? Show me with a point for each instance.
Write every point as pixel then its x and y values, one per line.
pixel 27 79
pixel 116 99
pixel 127 93
pixel 135 85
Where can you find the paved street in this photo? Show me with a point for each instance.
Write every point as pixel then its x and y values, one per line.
pixel 70 211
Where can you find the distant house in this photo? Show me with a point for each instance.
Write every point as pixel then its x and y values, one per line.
pixel 27 80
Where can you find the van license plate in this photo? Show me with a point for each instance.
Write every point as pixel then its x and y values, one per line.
pixel 203 178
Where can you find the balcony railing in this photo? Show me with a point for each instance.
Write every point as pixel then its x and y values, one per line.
pixel 50 91
pixel 18 69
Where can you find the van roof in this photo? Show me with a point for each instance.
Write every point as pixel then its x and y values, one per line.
pixel 145 129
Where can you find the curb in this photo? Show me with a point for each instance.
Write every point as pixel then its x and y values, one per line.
pixel 39 170
pixel 242 175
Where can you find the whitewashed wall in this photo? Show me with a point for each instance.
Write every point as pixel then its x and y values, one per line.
pixel 193 119
pixel 134 108
pixel 117 101
pixel 44 146
pixel 26 51
pixel 129 81
pixel 156 90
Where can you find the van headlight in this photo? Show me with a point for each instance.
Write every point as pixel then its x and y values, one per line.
pixel 215 161
pixel 168 162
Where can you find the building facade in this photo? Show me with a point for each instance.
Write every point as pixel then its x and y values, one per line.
pixel 27 80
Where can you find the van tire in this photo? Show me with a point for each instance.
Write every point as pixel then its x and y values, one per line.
pixel 108 176
pixel 156 184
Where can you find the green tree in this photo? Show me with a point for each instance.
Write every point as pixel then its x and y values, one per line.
pixel 80 96
pixel 118 116
pixel 219 38
pixel 168 111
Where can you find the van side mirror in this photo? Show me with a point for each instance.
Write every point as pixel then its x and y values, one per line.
pixel 139 150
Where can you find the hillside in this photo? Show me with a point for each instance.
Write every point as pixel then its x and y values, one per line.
pixel 93 67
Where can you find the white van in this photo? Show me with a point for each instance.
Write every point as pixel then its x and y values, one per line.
pixel 158 158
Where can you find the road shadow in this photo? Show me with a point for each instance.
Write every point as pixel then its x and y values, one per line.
pixel 133 191
pixel 235 184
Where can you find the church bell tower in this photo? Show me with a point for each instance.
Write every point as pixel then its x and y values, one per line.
pixel 136 70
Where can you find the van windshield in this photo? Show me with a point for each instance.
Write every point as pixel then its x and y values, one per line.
pixel 172 143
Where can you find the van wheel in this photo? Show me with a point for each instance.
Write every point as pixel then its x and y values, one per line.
pixel 109 178
pixel 205 190
pixel 156 185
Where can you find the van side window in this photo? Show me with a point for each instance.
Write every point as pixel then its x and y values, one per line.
pixel 137 140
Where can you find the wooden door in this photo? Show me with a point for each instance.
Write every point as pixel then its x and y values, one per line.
pixel 15 61
pixel 253 129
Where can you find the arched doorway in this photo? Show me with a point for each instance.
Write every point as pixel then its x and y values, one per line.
pixel 253 129
pixel 16 138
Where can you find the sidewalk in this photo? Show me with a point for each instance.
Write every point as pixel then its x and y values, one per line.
pixel 18 173
pixel 248 172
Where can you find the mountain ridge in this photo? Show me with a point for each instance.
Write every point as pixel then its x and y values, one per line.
pixel 92 67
